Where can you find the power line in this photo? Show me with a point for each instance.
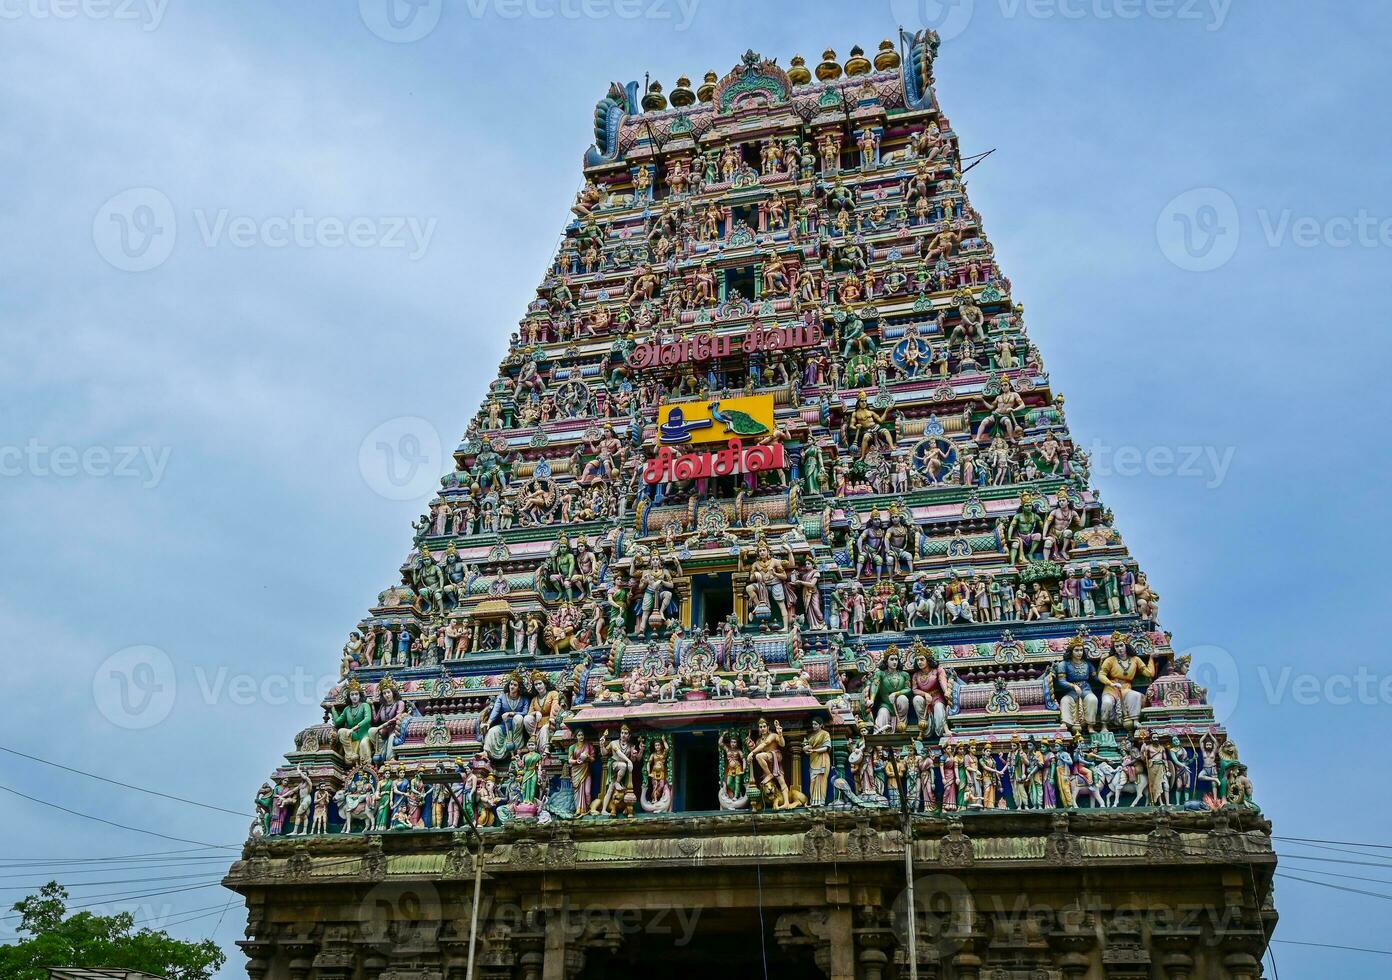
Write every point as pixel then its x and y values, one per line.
pixel 109 857
pixel 114 881
pixel 1315 840
pixel 112 823
pixel 1353 949
pixel 1330 884
pixel 117 782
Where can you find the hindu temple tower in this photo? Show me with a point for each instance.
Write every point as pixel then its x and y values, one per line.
pixel 768 580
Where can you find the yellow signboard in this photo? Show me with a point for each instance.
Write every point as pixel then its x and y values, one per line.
pixel 716 420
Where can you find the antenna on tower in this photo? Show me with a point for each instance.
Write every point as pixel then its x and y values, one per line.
pixel 977 159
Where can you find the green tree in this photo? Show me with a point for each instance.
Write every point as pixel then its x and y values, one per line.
pixel 95 941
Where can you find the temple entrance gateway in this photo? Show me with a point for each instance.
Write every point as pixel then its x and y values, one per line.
pixel 698 772
pixel 715 600
pixel 703 943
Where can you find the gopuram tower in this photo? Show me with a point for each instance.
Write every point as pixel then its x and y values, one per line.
pixel 768 624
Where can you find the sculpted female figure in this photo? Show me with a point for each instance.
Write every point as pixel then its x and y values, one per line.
pixel 388 717
pixel 579 759
pixel 811 594
pixel 818 748
pixel 1118 673
pixel 353 720
pixel 544 711
pixel 506 729
pixel 932 689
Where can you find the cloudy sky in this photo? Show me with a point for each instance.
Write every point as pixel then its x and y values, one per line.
pixel 247 246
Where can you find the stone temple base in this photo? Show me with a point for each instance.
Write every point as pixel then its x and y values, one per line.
pixel 1005 895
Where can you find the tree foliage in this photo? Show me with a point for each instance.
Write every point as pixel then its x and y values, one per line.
pixel 56 939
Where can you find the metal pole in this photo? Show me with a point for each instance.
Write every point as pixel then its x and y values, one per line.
pixel 908 869
pixel 478 886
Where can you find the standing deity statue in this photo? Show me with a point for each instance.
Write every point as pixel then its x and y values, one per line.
pixel 817 745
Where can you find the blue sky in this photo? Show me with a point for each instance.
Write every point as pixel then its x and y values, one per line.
pixel 188 451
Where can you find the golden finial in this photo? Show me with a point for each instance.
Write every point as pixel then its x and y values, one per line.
pixel 654 101
pixel 857 63
pixel 828 70
pixel 682 95
pixel 798 73
pixel 888 58
pixel 707 90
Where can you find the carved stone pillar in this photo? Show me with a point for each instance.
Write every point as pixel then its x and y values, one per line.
pixel 1125 956
pixel 333 965
pixel 301 958
pixel 258 953
pixel 1174 949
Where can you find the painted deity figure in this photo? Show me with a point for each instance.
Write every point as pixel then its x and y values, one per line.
pixel 931 687
pixel 579 760
pixel 766 588
pixel 621 756
pixel 817 745
pixel 1121 703
pixel 353 722
pixel 888 694
pixel 506 721
pixel 1073 679
pixel 765 760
